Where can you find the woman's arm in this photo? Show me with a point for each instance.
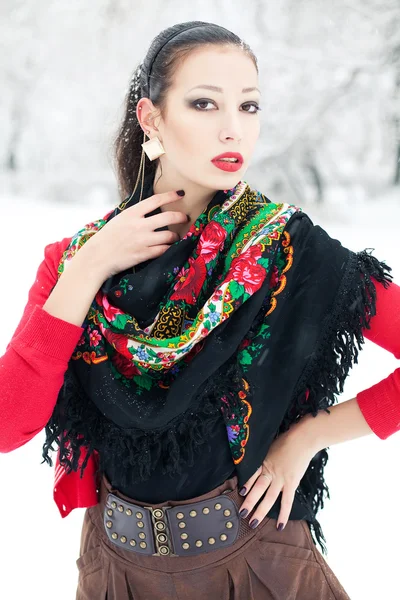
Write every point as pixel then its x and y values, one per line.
pixel 36 358
pixel 345 422
pixel 376 409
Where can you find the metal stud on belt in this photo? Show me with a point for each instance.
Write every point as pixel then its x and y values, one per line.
pixel 161 532
pixel 172 527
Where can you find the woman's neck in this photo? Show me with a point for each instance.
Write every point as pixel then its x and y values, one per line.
pixel 193 203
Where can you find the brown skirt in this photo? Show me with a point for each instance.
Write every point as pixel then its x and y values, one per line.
pixel 262 564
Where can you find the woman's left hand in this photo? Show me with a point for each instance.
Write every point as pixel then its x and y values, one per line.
pixel 281 471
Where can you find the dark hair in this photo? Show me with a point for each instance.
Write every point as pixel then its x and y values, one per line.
pixel 152 79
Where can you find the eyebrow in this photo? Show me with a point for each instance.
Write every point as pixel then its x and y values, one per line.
pixel 214 88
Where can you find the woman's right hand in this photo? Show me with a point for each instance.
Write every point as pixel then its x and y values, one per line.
pixel 129 238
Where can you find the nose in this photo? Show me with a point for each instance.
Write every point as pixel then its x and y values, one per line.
pixel 232 129
pixel 231 135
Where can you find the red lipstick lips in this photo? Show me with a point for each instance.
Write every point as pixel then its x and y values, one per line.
pixel 228 165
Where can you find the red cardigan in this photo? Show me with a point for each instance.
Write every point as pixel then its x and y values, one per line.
pixel 36 358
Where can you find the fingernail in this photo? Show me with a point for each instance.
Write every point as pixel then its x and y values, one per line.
pixel 280 526
pixel 254 523
pixel 180 193
pixel 243 491
pixel 243 512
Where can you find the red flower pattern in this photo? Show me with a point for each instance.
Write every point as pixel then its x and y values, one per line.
pixel 245 270
pixel 124 366
pixel 110 311
pixel 244 343
pixel 118 341
pixel 190 281
pixel 211 241
pixel 94 338
pixel 274 277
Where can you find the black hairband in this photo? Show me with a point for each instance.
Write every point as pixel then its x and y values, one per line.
pixel 159 50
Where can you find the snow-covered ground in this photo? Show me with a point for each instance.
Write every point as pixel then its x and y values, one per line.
pixel 360 521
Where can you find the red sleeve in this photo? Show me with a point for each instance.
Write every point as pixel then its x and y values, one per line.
pixel 380 404
pixel 36 358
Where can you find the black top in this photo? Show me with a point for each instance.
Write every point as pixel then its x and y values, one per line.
pixel 205 475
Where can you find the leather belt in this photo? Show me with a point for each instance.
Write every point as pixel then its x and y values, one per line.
pixel 184 530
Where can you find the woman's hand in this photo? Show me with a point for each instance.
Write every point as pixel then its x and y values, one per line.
pixel 130 238
pixel 285 464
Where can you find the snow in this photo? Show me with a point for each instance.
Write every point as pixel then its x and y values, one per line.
pixel 359 519
pixel 330 100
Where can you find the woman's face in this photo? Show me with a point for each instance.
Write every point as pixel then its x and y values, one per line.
pixel 200 124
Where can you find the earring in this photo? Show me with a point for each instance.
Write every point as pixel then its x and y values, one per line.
pixel 153 148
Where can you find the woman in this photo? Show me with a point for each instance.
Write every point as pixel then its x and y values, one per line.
pixel 192 418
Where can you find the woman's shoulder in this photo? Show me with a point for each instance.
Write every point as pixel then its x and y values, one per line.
pixel 296 217
pixel 48 268
pixel 54 250
pixel 260 196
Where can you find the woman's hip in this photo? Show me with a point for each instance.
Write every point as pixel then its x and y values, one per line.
pixel 197 548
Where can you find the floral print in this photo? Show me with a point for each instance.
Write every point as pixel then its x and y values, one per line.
pixel 228 264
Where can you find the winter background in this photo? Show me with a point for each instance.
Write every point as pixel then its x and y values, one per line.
pixel 330 143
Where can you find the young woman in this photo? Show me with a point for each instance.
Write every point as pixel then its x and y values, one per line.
pixel 183 350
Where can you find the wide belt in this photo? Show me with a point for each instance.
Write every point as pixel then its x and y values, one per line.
pixel 184 530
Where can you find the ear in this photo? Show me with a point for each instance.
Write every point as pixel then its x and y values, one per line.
pixel 145 113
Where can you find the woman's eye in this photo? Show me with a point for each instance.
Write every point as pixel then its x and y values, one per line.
pixel 251 104
pixel 195 104
pixel 254 106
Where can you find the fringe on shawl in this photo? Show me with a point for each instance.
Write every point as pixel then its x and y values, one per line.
pixel 76 422
pixel 327 371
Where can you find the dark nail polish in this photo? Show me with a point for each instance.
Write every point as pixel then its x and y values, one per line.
pixel 243 512
pixel 280 526
pixel 243 491
pixel 254 523
pixel 180 193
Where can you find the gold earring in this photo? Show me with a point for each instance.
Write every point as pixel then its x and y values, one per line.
pixel 153 148
pixel 140 174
